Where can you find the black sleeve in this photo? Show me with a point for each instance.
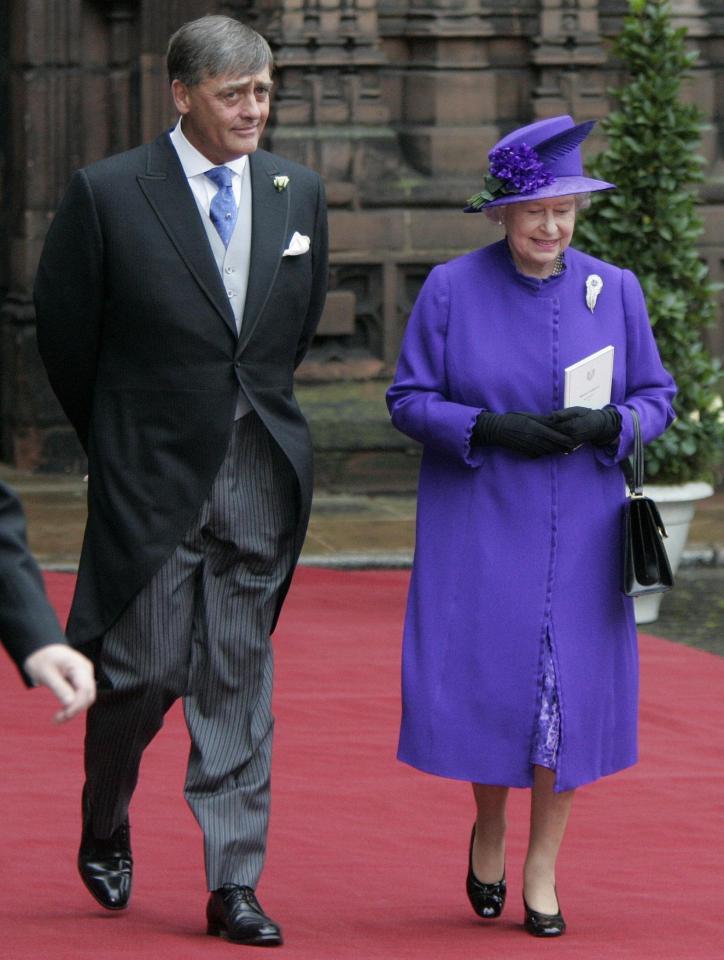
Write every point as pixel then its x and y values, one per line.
pixel 27 621
pixel 69 297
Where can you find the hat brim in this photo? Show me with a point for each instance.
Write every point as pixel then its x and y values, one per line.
pixel 561 187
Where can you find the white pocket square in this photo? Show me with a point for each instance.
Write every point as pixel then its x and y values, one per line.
pixel 298 244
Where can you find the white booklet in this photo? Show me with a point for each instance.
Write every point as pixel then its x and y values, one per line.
pixel 588 382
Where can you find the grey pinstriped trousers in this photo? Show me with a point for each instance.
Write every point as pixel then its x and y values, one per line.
pixel 200 630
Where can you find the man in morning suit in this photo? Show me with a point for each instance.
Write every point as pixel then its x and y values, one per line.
pixel 29 629
pixel 179 287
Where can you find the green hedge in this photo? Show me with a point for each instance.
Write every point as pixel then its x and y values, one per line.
pixel 650 225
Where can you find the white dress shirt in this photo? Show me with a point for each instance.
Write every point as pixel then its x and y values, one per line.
pixel 195 165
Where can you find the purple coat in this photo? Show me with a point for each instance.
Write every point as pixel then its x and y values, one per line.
pixel 510 548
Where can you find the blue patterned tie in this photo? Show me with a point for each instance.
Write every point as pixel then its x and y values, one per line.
pixel 223 210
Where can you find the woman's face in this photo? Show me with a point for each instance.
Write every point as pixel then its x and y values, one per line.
pixel 538 231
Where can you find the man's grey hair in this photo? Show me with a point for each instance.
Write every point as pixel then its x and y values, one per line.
pixel 497 214
pixel 213 46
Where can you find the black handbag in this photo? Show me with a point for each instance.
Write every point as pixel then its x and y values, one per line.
pixel 646 566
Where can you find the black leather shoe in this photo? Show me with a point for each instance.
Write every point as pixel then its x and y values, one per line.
pixel 234 913
pixel 487 899
pixel 544 924
pixel 106 865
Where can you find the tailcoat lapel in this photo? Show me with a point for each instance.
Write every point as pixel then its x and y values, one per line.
pixel 269 227
pixel 168 192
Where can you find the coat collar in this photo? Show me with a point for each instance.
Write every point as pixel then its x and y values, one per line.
pixel 168 192
pixel 536 284
pixel 166 189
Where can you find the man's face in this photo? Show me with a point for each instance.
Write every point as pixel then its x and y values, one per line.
pixel 224 116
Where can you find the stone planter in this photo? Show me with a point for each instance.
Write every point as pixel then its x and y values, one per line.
pixel 676 505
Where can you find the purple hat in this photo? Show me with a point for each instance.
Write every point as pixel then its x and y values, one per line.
pixel 536 162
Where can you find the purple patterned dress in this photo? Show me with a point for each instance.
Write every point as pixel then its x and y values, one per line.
pixel 546 735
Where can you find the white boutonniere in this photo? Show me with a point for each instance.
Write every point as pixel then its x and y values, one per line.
pixel 594 285
pixel 281 183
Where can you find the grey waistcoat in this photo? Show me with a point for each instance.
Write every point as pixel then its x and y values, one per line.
pixel 233 263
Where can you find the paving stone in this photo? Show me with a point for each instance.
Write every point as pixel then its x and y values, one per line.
pixel 352 531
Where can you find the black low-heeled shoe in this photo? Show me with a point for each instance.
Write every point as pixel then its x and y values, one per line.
pixel 544 924
pixel 486 899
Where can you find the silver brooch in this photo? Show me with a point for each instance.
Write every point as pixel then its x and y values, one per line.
pixel 594 285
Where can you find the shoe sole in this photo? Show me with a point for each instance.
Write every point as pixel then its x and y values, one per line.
pixel 548 935
pixel 223 934
pixel 544 933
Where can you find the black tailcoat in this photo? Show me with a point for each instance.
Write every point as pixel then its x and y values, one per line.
pixel 27 621
pixel 141 348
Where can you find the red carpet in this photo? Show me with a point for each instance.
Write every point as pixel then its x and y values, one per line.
pixel 367 857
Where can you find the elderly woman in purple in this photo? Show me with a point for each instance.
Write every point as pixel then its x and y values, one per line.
pixel 520 659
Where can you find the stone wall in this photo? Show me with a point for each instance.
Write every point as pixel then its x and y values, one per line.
pixel 395 102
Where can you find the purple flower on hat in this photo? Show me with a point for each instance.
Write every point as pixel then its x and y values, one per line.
pixel 519 168
pixel 516 169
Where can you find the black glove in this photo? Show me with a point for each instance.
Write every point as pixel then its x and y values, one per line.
pixel 601 427
pixel 525 433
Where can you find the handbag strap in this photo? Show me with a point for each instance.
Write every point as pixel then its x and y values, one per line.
pixel 635 473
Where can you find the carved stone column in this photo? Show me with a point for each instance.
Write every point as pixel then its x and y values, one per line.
pixel 123 81
pixel 450 88
pixel 328 110
pixel 70 82
pixel 329 113
pixel 569 56
pixel 158 20
pixel 47 104
pixel 458 77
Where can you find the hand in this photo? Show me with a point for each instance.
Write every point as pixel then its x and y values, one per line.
pixel 67 673
pixel 601 427
pixel 523 432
